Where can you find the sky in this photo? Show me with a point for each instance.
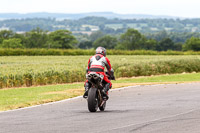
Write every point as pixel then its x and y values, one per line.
pixel 180 8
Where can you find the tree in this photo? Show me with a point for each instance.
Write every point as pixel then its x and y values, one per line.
pixel 192 44
pixel 107 42
pixel 61 39
pixel 124 25
pixel 36 38
pixel 21 37
pixel 150 44
pixel 85 45
pixel 178 46
pixel 101 27
pixel 5 34
pixel 131 40
pixel 108 30
pixel 12 43
pixel 165 44
pixel 95 35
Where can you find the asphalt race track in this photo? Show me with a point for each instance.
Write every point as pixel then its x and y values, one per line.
pixel 173 108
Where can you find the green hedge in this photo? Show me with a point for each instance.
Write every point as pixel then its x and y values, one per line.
pixel 39 52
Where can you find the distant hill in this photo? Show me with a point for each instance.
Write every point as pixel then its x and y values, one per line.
pixel 79 15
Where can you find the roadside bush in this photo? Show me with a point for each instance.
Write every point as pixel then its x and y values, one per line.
pixel 60 52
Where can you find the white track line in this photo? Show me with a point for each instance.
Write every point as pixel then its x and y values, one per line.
pixel 65 100
pixel 152 121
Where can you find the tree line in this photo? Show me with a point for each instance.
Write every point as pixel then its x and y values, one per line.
pixel 38 38
pixel 143 25
pixel 131 39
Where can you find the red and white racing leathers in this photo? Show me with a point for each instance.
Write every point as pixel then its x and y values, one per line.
pixel 97 63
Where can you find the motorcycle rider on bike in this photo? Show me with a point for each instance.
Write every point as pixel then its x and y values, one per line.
pixel 97 63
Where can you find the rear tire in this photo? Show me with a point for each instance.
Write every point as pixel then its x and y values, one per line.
pixel 92 100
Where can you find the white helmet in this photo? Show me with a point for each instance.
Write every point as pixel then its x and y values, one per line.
pixel 101 50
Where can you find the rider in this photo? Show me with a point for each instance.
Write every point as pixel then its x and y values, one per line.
pixel 96 64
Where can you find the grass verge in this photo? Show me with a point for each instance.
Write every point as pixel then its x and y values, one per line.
pixel 24 97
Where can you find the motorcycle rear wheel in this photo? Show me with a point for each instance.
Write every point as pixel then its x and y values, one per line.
pixel 92 100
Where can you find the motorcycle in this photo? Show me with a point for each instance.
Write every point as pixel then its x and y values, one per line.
pixel 95 95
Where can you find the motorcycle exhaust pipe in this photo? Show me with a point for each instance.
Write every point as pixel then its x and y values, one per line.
pixel 95 76
pixel 89 76
pixel 102 103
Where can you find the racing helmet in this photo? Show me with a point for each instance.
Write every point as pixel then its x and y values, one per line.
pixel 101 50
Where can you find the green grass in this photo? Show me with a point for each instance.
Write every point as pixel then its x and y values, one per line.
pixel 163 78
pixel 23 97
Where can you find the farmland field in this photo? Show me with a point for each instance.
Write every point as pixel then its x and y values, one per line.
pixel 130 25
pixel 114 26
pixel 17 71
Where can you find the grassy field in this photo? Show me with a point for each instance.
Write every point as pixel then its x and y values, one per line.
pixel 22 71
pixel 23 97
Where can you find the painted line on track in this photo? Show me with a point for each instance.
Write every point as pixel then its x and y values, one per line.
pixel 65 100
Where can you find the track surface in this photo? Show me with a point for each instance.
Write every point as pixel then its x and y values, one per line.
pixel 173 108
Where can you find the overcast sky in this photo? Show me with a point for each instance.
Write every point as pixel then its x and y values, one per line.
pixel 182 8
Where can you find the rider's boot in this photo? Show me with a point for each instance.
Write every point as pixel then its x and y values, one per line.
pixel 105 91
pixel 87 86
